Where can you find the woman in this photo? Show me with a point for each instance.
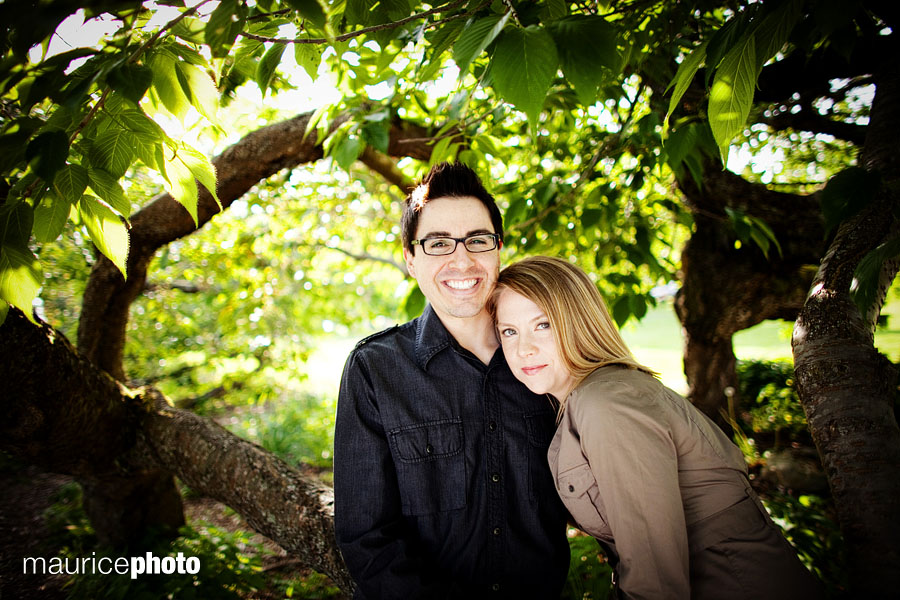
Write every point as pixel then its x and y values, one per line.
pixel 653 479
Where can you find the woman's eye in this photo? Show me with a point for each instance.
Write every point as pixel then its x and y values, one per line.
pixel 508 332
pixel 543 326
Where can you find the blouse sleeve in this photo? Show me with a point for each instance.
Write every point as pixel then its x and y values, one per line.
pixel 627 441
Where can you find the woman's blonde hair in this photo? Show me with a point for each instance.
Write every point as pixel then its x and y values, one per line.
pixel 585 334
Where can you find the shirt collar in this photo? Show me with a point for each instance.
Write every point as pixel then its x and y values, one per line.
pixel 431 336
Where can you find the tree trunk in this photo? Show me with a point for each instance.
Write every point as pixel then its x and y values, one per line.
pixel 846 387
pixel 726 289
pixel 123 511
pixel 66 415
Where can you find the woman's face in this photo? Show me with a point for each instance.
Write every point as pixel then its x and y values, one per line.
pixel 529 347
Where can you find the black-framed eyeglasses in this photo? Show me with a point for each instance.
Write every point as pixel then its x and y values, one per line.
pixel 440 246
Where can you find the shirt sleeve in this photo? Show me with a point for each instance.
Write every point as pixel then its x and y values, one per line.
pixel 369 527
pixel 627 441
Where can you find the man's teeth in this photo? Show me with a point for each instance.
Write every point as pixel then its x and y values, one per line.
pixel 464 284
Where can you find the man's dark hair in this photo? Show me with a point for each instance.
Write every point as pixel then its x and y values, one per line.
pixel 446 180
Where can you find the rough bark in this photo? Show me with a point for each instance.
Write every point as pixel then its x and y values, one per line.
pixel 846 387
pixel 114 506
pixel 66 415
pixel 727 289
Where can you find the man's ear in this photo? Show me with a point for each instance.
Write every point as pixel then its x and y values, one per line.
pixel 408 257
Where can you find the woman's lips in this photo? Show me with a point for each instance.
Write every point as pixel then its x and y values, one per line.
pixel 532 370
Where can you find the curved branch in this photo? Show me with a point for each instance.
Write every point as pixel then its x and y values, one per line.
pixel 66 415
pixel 259 155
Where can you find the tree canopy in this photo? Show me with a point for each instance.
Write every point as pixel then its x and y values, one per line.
pixel 605 128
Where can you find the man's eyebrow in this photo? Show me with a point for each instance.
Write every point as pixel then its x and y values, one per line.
pixel 434 234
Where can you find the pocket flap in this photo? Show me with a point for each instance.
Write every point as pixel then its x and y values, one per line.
pixel 575 482
pixel 428 441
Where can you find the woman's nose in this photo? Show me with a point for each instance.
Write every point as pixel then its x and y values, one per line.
pixel 526 347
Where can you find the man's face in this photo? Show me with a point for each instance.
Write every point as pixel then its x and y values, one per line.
pixel 457 285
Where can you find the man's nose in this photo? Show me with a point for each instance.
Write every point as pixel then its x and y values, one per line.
pixel 461 256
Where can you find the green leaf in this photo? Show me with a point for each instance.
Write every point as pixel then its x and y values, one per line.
pixel 681 143
pixel 774 31
pixel 113 151
pixel 107 231
pixel 683 77
pixel 867 276
pixel 50 217
pixel 200 168
pixel 148 136
pixel 525 63
pixel 47 153
pixel 587 48
pixel 477 36
pixel 732 94
pixel 846 194
pixel 132 81
pixel 308 56
pixel 377 135
pixel 166 84
pixel 440 40
pixel 414 303
pixel 223 27
pixel 4 310
pixel 20 277
pixel 265 70
pixel 107 187
pixel 348 150
pixel 621 310
pixel 16 222
pixel 199 89
pixel 180 181
pixel 70 182
pixel 310 10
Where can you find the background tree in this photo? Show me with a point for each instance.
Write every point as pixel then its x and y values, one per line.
pixel 605 129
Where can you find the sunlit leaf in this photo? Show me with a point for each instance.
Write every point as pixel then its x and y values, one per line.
pixel 683 77
pixel 50 217
pixel 70 182
pixel 308 56
pixel 21 277
pixel 867 276
pixel 477 36
pixel 348 150
pixel 107 231
pixel 16 222
pixel 199 89
pixel 310 10
pixel 265 70
pixel 113 151
pixel 525 63
pixel 200 168
pixel 166 84
pixel 732 94
pixel 180 182
pixel 223 27
pixel 107 187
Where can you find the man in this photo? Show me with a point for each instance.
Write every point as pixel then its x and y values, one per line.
pixel 442 488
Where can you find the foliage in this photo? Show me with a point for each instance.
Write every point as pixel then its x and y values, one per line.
pixel 300 430
pixel 767 388
pixel 589 163
pixel 590 576
pixel 229 563
pixel 809 525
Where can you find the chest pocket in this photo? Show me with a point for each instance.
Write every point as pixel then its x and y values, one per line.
pixel 431 468
pixel 578 490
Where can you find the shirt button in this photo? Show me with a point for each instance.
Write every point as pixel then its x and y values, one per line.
pixel 495 587
pixel 429 449
pixel 492 426
pixel 496 531
pixel 495 477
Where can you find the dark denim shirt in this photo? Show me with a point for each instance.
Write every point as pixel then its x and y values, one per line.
pixel 442 488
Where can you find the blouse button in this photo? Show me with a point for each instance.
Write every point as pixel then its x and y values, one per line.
pixel 571 488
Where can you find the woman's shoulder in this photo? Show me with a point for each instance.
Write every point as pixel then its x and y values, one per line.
pixel 616 396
